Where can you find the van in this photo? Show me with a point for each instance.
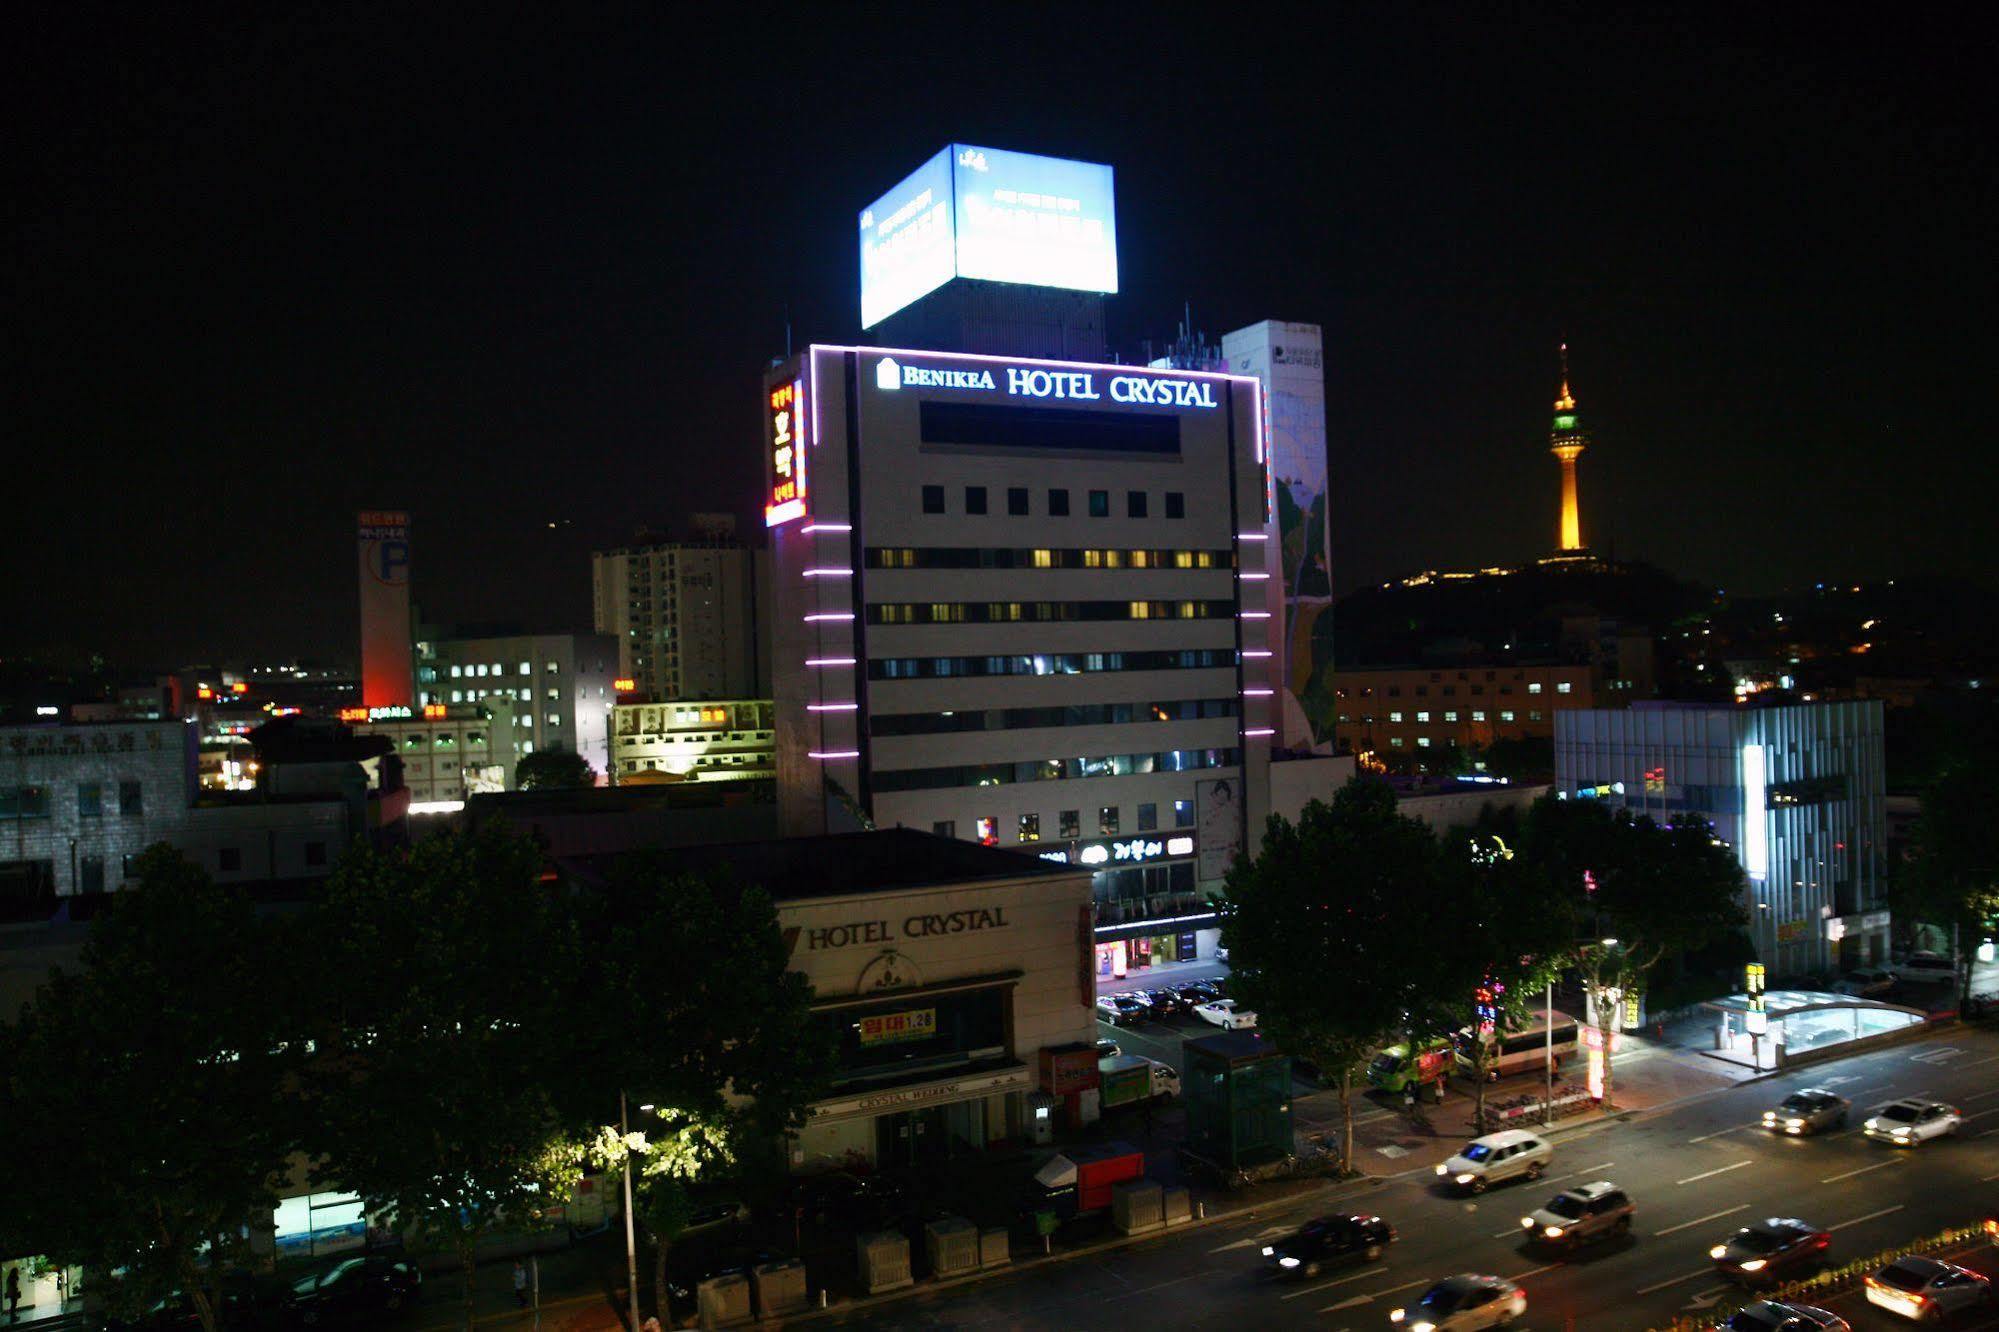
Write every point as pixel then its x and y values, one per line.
pixel 1397 1067
pixel 1496 1158
pixel 1521 1050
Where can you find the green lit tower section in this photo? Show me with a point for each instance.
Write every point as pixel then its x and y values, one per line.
pixel 1566 441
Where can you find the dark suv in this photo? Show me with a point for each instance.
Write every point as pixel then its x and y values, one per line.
pixel 1327 1240
pixel 1581 1215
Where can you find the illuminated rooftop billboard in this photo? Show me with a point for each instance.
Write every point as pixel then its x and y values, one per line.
pixel 993 215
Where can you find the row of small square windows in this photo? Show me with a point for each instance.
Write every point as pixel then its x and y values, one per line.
pixel 1448 691
pixel 1019 502
pixel 1069 823
pixel 1395 718
pixel 480 670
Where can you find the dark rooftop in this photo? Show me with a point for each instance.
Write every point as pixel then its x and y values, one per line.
pixel 831 866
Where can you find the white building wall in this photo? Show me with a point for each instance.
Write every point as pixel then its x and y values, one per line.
pixel 526 667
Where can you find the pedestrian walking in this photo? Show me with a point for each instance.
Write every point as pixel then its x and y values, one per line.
pixel 521 1283
pixel 13 1294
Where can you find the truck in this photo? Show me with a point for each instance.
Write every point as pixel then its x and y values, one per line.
pixel 1423 1064
pixel 1133 1079
pixel 1078 1180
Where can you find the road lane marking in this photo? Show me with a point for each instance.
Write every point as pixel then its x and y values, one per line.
pixel 1878 1165
pixel 1726 1211
pixel 1338 1281
pixel 1710 1174
pixel 1503 1234
pixel 1886 1211
pixel 1533 1271
pixel 1705 1271
pixel 1263 1236
pixel 1601 1165
pixel 1978 1096
pixel 1355 1301
pixel 1718 1133
pixel 1979 1115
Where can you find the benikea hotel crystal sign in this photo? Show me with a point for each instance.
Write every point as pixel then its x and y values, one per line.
pixel 992 215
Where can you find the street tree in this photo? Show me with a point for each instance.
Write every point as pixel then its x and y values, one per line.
pixel 689 1007
pixel 1951 879
pixel 553 769
pixel 1640 892
pixel 143 1096
pixel 442 974
pixel 1330 932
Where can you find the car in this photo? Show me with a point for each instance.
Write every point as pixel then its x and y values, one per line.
pixel 1775 1248
pixel 1221 953
pixel 1581 1215
pixel 1865 981
pixel 1224 1013
pixel 840 1199
pixel 1926 1289
pixel 248 1301
pixel 1783 1316
pixel 1161 1003
pixel 1496 1158
pixel 1924 969
pixel 1910 1120
pixel 1109 1049
pixel 1120 1009
pixel 1326 1240
pixel 1811 1110
pixel 716 1215
pixel 692 1268
pixel 1467 1300
pixel 353 1290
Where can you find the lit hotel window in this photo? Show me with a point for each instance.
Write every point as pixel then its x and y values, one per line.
pixel 1030 827
pixel 1563 687
pixel 1450 716
pixel 1506 715
pixel 1395 717
pixel 1422 742
pixel 1478 716
pixel 1422 716
pixel 1534 688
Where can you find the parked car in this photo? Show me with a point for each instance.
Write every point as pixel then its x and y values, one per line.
pixel 842 1200
pixel 1162 1003
pixel 248 1301
pixel 1496 1158
pixel 1782 1316
pixel 1224 1013
pixel 1326 1240
pixel 1924 969
pixel 1809 1111
pixel 1109 1049
pixel 1774 1249
pixel 1581 1215
pixel 716 1215
pixel 1910 1121
pixel 1120 1009
pixel 352 1290
pixel 1865 981
pixel 1198 992
pixel 1468 1300
pixel 1927 1289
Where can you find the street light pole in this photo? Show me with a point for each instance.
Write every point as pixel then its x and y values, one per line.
pixel 1548 1101
pixel 631 1244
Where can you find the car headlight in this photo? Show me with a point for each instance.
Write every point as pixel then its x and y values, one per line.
pixel 1552 1232
pixel 1794 1123
pixel 1466 1178
pixel 1769 1116
pixel 1287 1261
pixel 1269 1252
pixel 1901 1133
pixel 1718 1251
pixel 1756 1264
pixel 1443 1170
pixel 1397 1315
pixel 1422 1327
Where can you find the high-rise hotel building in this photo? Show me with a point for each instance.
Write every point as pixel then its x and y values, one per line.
pixel 1029 604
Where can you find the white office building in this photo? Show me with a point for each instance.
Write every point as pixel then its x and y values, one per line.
pixel 560 686
pixel 1798 790
pixel 1027 604
pixel 690 617
pixel 723 740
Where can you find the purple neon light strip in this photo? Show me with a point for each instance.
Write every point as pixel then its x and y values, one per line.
pixel 1256 652
pixel 1256 615
pixel 1252 577
pixel 1258 693
pixel 829 661
pixel 818 616
pixel 843 707
pixel 1260 732
pixel 827 527
pixel 1239 536
pixel 829 573
pixel 824 754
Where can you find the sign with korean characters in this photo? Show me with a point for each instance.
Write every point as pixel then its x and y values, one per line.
pixel 917 1024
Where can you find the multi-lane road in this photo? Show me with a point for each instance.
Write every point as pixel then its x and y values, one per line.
pixel 1696 1170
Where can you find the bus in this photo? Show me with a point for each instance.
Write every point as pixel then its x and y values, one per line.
pixel 1520 1050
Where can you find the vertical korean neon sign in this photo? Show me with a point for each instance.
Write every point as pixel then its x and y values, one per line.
pixel 1755 812
pixel 789 441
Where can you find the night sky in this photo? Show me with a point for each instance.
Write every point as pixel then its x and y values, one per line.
pixel 264 272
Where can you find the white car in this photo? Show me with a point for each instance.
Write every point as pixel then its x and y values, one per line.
pixel 1927 1290
pixel 1468 1300
pixel 1496 1158
pixel 1864 982
pixel 1224 1013
pixel 1909 1121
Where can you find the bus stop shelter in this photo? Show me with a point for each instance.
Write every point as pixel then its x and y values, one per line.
pixel 1794 1026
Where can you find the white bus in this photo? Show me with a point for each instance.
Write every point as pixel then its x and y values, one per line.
pixel 1521 1050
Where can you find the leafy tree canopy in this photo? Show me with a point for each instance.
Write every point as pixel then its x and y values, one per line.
pixel 553 769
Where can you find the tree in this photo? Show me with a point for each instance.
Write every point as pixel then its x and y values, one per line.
pixel 444 974
pixel 1641 892
pixel 700 958
pixel 1330 932
pixel 144 1096
pixel 553 769
pixel 1951 878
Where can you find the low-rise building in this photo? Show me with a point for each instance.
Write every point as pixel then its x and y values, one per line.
pixel 721 741
pixel 1798 790
pixel 560 686
pixel 1417 710
pixel 449 752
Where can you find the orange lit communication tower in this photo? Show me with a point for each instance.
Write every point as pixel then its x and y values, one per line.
pixel 1566 441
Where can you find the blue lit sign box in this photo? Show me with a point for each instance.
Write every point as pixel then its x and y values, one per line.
pixel 993 215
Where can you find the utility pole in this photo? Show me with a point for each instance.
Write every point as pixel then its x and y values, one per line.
pixel 631 1244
